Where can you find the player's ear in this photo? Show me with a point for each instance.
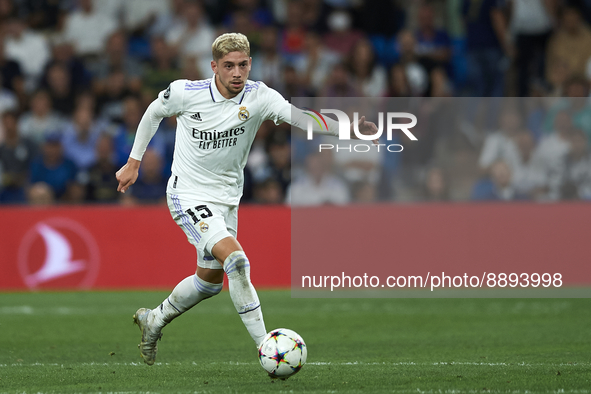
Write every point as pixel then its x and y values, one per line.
pixel 214 66
pixel 249 63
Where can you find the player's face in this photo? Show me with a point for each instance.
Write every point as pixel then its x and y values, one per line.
pixel 232 72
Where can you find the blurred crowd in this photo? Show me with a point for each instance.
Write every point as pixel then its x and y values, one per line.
pixel 77 75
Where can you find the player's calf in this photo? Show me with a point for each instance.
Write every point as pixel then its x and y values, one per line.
pixel 244 295
pixel 188 293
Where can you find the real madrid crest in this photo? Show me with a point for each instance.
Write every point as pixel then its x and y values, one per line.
pixel 243 114
pixel 203 227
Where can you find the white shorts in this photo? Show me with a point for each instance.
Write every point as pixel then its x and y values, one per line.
pixel 204 223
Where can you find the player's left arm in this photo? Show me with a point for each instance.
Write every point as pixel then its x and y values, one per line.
pixel 280 110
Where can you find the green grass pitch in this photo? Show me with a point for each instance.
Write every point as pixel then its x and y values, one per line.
pixel 86 342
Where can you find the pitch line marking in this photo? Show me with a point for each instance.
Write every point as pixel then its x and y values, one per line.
pixel 317 363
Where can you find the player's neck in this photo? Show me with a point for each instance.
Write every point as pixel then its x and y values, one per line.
pixel 222 89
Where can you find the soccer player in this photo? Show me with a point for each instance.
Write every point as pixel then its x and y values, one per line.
pixel 217 120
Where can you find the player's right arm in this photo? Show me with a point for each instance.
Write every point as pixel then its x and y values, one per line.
pixel 168 103
pixel 279 110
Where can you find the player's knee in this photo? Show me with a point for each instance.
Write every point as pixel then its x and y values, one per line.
pixel 237 265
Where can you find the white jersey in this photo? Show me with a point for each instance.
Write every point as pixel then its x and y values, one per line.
pixel 214 134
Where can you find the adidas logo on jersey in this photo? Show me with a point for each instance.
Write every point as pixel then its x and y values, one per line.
pixel 196 117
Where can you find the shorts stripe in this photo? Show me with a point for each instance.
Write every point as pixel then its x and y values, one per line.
pixel 184 218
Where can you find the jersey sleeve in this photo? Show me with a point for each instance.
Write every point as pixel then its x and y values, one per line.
pixel 168 103
pixel 279 110
pixel 172 98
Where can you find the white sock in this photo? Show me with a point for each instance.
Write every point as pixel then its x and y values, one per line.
pixel 188 293
pixel 244 296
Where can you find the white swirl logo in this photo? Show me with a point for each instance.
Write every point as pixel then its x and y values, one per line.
pixel 58 252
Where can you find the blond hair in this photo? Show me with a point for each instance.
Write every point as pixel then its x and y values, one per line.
pixel 230 42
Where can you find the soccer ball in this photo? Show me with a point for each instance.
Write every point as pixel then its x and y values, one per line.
pixel 282 353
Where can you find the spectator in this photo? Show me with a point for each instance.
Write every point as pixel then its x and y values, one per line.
pixel 86 100
pixel 40 194
pixel 361 164
pixel 258 159
pixel 527 178
pixel 240 22
pixel 167 132
pixel 340 83
pixel 193 38
pixel 381 18
pixel 162 68
pixel 486 47
pixel 576 90
pixel 294 59
pixel 61 91
pixel 29 49
pixel 110 8
pixel 315 62
pixel 557 75
pixel 342 37
pixel 110 101
pixel 80 138
pixel 279 168
pixel 88 29
pixel 150 187
pixel 140 15
pixel 41 14
pixel 102 185
pixel 414 68
pixel 370 77
pixel 551 154
pixel 16 154
pixel 11 74
pixel 8 100
pixel 364 192
pixel 531 23
pixel 432 43
pixel 499 187
pixel 268 192
pixel 63 54
pixel 440 83
pixel 269 64
pixel 117 58
pixel 53 168
pixel 41 120
pixel 259 16
pixel 570 45
pixel 291 84
pixel 294 32
pixel 501 145
pixel 398 85
pixel 578 169
pixel 318 185
pixel 165 21
pixel 435 187
pixel 7 10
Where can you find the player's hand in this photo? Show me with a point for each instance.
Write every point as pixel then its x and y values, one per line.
pixel 366 128
pixel 127 175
